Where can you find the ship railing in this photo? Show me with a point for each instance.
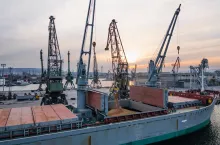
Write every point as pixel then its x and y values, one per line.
pixel 39 130
pixel 206 100
pixel 136 116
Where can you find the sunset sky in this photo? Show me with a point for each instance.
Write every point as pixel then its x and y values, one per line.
pixel 142 25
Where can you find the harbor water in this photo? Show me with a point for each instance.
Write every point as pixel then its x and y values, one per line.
pixel 209 135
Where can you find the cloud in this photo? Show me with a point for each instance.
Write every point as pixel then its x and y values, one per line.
pixel 142 25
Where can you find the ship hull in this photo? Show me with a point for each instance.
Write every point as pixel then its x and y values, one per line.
pixel 169 135
pixel 136 132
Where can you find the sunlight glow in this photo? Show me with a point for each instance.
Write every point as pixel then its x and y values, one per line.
pixel 131 56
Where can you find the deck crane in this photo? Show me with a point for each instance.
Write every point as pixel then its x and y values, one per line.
pixel 54 90
pixel 156 66
pixel 43 73
pixel 69 76
pixel 119 61
pixel 82 72
pixel 96 83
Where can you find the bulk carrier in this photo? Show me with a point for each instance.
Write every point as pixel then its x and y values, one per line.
pixel 147 115
pixel 176 114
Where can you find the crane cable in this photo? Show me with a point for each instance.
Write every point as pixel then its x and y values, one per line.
pixel 178 40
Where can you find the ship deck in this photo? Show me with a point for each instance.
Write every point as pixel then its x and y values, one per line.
pixel 29 118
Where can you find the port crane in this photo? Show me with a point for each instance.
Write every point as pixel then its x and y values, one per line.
pixel 197 74
pixel 155 67
pixel 119 61
pixel 82 72
pixel 134 74
pixel 69 77
pixel 108 76
pixel 54 86
pixel 43 73
pixel 175 69
pixel 96 83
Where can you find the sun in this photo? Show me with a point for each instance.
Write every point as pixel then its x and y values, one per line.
pixel 132 56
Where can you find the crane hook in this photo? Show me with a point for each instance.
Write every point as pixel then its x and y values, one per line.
pixel 94 44
pixel 178 48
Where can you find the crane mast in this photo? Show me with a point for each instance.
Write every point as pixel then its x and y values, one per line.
pixel 69 76
pixel 96 83
pixel 54 90
pixel 156 66
pixel 119 60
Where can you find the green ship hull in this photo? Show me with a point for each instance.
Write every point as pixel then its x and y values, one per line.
pixel 170 135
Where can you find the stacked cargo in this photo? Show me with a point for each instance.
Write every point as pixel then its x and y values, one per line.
pixel 35 120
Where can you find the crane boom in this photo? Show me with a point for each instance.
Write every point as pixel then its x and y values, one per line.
pixel 156 66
